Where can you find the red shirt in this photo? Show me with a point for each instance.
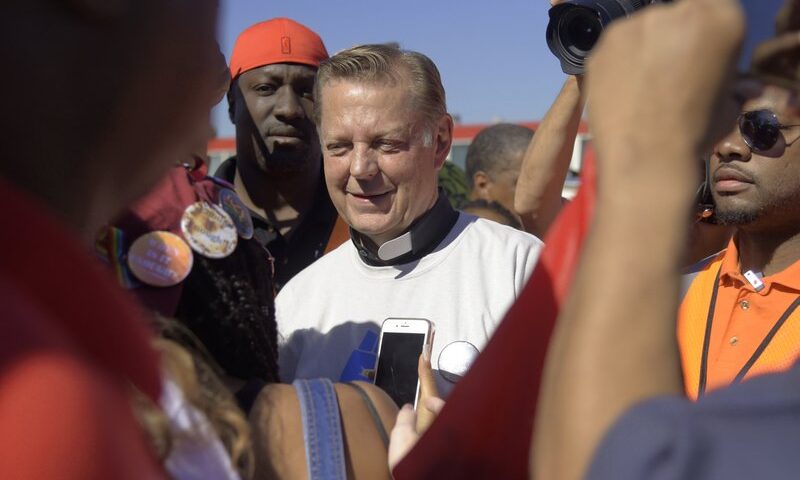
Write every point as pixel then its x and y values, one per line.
pixel 485 429
pixel 71 344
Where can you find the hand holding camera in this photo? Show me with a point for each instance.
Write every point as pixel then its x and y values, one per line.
pixel 695 99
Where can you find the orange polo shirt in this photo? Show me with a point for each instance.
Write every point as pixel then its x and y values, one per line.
pixel 742 320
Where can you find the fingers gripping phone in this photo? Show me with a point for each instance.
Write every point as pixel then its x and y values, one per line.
pixel 401 343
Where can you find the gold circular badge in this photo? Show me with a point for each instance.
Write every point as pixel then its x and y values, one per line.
pixel 209 230
pixel 160 259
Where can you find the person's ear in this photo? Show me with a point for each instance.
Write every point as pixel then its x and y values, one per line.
pixel 98 9
pixel 443 139
pixel 480 186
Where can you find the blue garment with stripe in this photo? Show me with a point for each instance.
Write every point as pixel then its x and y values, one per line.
pixel 322 429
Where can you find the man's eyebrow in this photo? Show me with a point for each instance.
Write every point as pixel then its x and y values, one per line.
pixel 335 135
pixel 262 76
pixel 304 75
pixel 394 131
pixel 763 105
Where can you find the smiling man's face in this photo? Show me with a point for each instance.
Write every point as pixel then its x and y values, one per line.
pixel 381 158
pixel 760 188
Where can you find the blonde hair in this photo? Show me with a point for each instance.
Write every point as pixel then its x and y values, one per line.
pixel 386 64
pixel 199 379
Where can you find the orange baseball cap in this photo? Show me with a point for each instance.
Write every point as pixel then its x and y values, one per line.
pixel 280 40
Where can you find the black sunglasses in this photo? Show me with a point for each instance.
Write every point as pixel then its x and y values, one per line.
pixel 761 130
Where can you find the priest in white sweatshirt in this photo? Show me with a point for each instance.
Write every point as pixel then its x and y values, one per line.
pixel 385 133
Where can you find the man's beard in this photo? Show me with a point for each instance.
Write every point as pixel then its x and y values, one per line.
pixel 285 160
pixel 738 215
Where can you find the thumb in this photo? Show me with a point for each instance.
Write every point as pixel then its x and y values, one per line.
pixel 427 381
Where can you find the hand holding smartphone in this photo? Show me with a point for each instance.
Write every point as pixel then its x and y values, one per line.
pixel 401 343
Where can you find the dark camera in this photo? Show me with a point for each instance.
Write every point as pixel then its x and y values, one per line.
pixel 575 26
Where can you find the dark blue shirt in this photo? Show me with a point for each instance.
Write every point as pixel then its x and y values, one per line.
pixel 747 431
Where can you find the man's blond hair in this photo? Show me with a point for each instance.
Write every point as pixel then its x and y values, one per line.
pixel 386 64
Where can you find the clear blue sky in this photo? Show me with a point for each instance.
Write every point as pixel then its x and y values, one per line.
pixel 492 55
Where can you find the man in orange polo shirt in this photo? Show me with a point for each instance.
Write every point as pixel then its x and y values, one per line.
pixel 739 317
pixel 97 107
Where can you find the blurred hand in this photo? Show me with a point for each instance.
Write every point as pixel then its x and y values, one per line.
pixel 411 425
pixel 405 434
pixel 660 82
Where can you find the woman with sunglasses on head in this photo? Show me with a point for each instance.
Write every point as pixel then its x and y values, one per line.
pixel 739 316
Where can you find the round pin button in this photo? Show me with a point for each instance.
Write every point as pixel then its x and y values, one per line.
pixel 160 259
pixel 455 360
pixel 209 230
pixel 236 209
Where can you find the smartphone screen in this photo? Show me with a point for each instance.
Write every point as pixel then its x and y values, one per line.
pixel 397 365
pixel 761 16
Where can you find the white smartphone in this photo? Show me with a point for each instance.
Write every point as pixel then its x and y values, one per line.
pixel 401 344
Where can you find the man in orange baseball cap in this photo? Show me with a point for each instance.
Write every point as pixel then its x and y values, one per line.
pixel 277 170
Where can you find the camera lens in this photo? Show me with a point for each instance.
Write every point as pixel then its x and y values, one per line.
pixel 579 30
pixel 575 26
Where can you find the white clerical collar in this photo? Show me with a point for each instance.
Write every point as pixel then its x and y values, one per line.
pixel 419 240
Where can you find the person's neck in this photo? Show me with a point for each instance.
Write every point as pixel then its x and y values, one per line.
pixel 768 251
pixel 419 239
pixel 380 239
pixel 282 199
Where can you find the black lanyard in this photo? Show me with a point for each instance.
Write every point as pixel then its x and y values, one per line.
pixel 753 358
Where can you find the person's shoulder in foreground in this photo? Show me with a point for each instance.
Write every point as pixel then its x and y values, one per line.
pixel 747 431
pixel 59 417
pixel 73 345
pixel 69 363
